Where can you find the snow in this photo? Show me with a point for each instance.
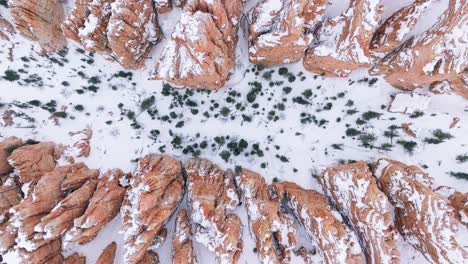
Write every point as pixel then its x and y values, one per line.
pixel 307 146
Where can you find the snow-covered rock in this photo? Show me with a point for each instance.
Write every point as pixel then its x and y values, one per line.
pixel 182 246
pixel 458 200
pixel 280 31
pixel 423 216
pixel 336 242
pixel 211 195
pixel 272 229
pixel 354 192
pixel 407 103
pixel 343 44
pixel 30 162
pixel 5 145
pixel 163 6
pixel 93 34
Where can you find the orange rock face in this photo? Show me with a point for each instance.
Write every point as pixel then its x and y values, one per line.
pixel 457 200
pixel 155 192
pixel 108 254
pixel 132 31
pixel 279 31
pixel 60 219
pixel 211 195
pixel 437 56
pixel 354 192
pixel 75 258
pixel 7 237
pixel 344 40
pixel 103 207
pixel 392 31
pixel 49 253
pixel 93 35
pixel 163 6
pixel 76 21
pixel 39 20
pixel 336 242
pixel 149 258
pixel 5 145
pixel 49 190
pixel 182 246
pixel 200 52
pixel 272 229
pixel 32 161
pixel 423 216
pixel 10 195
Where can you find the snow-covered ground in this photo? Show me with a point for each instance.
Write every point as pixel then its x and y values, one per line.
pixel 282 122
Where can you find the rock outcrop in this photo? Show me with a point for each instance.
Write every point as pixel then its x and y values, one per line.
pixel 108 254
pixel 200 52
pixel 280 31
pixel 46 194
pixel 336 242
pixel 392 31
pixel 7 237
pixel 354 192
pixel 6 147
pixel 103 207
pixel 436 57
pixel 343 44
pixel 32 161
pixel 133 29
pixel 10 195
pixel 93 35
pixel 39 20
pixel 50 253
pixel 76 20
pixel 75 258
pixel 182 247
pixel 6 29
pixel 149 258
pixel 60 219
pixel 155 192
pixel 211 195
pixel 163 6
pixel 422 215
pixel 272 229
pixel 457 200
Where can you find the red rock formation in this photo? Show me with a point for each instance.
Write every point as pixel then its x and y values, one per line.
pixel 75 258
pixel 60 219
pixel 32 161
pixel 422 215
pixel 7 237
pixel 163 6
pixel 49 190
pixel 149 258
pixel 5 146
pixel 211 195
pixel 49 253
pixel 182 247
pixel 344 40
pixel 279 31
pixel 457 200
pixel 336 242
pixel 102 208
pixel 76 21
pixel 354 192
pixel 39 20
pixel 155 192
pixel 6 29
pixel 272 229
pixel 108 254
pixel 133 29
pixel 93 35
pixel 10 195
pixel 434 57
pixel 392 31
pixel 200 52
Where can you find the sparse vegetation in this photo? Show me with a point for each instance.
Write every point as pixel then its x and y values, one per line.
pixel 439 136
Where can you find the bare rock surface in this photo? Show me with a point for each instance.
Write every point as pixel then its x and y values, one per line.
pixel 75 258
pixel 182 246
pixel 437 56
pixel 336 242
pixel 60 219
pixel 155 192
pixel 354 192
pixel 343 44
pixel 49 253
pixel 32 161
pixel 108 254
pixel 149 257
pixel 103 207
pixel 10 195
pixel 458 200
pixel 6 29
pixel 7 237
pixel 211 195
pixel 200 52
pixel 272 229
pixel 5 146
pixel 423 216
pixel 393 30
pixel 279 31
pixel 132 31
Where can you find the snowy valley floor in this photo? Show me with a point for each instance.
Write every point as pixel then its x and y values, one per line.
pixel 283 122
